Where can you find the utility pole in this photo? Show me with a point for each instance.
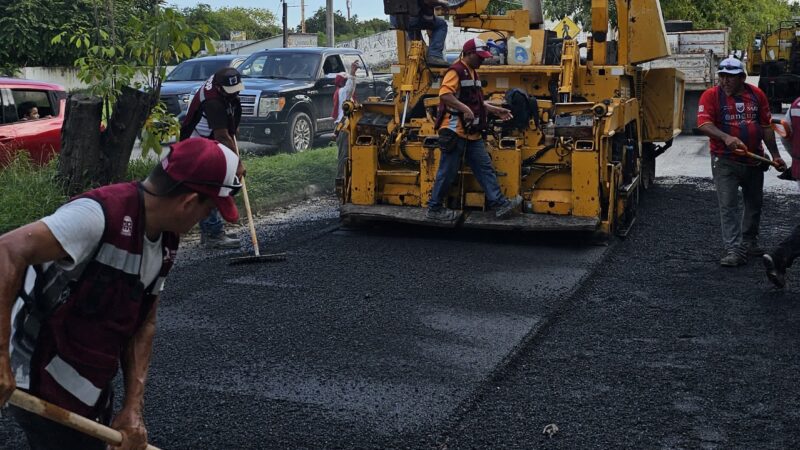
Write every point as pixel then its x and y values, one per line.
pixel 349 5
pixel 302 16
pixel 329 23
pixel 285 20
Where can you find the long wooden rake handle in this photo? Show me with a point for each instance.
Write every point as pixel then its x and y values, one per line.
pixel 759 158
pixel 69 419
pixel 249 211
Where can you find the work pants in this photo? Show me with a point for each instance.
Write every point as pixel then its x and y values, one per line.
pixel 738 226
pixel 481 165
pixel 213 224
pixel 789 249
pixel 438 27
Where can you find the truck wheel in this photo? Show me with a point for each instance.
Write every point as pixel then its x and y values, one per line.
pixel 301 132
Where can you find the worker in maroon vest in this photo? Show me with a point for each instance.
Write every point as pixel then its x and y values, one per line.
pixel 215 112
pixel 79 290
pixel 461 122
pixel 781 258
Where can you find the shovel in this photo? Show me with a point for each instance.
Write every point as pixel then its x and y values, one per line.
pixel 745 152
pixel 37 406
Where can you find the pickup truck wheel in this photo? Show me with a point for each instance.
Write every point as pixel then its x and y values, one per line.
pixel 301 132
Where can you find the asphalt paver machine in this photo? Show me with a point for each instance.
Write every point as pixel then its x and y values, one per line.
pixel 598 122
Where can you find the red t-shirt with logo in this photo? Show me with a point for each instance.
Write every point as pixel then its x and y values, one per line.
pixel 743 116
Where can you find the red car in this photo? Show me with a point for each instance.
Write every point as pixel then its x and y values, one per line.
pixel 31 116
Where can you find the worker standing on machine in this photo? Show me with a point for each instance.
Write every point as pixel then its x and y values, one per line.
pixel 428 20
pixel 778 260
pixel 736 117
pixel 461 120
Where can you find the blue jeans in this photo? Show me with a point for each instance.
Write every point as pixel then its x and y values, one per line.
pixel 213 224
pixel 438 32
pixel 738 225
pixel 481 165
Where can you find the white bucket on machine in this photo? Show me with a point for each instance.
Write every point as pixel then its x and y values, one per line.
pixel 519 51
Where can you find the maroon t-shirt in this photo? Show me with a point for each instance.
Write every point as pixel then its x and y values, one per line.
pixel 743 116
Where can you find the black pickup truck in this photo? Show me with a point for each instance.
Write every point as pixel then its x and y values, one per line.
pixel 288 95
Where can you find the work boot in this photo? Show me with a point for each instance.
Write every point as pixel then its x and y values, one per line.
pixel 505 211
pixel 220 241
pixel 441 215
pixel 436 61
pixel 732 259
pixel 751 248
pixel 776 272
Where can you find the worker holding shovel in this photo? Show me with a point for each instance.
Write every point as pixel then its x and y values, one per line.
pixel 79 291
pixel 736 116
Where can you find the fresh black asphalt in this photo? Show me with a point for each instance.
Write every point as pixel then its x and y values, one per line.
pixel 404 337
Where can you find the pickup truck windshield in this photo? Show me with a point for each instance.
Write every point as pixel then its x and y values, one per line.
pixel 282 66
pixel 196 70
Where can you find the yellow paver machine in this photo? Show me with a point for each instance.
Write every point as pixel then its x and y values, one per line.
pixel 598 122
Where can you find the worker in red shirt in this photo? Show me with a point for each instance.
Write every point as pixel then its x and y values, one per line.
pixel 736 117
pixel 781 257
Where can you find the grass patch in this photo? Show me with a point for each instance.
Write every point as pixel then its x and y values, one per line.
pixel 29 192
pixel 280 178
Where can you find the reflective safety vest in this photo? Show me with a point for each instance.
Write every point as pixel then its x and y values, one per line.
pixel 69 328
pixel 470 93
pixel 196 110
pixel 795 152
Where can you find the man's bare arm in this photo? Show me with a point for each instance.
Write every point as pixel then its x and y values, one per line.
pixel 20 248
pixel 135 364
pixel 731 142
pixel 452 102
pixel 224 137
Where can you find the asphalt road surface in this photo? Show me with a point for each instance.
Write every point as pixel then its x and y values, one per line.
pixel 402 337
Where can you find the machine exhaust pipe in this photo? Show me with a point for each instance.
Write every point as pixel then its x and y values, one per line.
pixel 535 17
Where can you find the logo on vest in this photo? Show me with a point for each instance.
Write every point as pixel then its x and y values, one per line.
pixel 127 226
pixel 740 107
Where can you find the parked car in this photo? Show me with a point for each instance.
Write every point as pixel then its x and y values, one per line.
pixel 288 93
pixel 184 80
pixel 41 137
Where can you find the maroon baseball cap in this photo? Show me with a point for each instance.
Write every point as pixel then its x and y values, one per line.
pixel 206 167
pixel 478 46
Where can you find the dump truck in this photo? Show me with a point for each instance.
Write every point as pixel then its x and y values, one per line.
pixel 696 53
pixel 775 57
pixel 581 161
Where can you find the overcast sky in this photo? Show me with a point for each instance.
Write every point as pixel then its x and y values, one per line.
pixel 365 9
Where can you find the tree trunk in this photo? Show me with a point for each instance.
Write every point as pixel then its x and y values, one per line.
pixel 90 157
pixel 130 112
pixel 81 159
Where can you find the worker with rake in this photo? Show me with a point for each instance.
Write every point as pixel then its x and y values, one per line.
pixel 79 291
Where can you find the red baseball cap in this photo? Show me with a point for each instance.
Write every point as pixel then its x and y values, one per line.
pixel 478 46
pixel 206 167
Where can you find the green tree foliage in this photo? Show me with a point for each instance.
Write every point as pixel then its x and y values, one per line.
pixel 257 23
pixel 152 40
pixel 745 18
pixel 344 29
pixel 29 25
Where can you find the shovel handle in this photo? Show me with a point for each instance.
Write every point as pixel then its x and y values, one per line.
pixel 37 406
pixel 759 158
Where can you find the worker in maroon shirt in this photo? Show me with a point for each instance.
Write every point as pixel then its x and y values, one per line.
pixel 736 117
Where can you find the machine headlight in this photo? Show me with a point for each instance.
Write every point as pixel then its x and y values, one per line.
pixel 267 105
